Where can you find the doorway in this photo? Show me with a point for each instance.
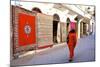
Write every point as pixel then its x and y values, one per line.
pixel 56 20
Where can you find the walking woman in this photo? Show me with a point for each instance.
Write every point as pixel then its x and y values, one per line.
pixel 71 41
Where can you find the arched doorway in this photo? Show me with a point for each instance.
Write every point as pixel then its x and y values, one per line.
pixel 56 20
pixel 68 23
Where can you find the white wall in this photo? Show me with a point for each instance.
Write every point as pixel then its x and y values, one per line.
pixel 45 8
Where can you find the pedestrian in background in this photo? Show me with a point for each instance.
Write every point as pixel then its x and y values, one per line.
pixel 71 41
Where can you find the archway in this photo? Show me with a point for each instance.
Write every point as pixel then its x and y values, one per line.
pixel 56 20
pixel 68 23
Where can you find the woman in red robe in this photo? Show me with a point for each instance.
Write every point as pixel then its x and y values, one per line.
pixel 71 41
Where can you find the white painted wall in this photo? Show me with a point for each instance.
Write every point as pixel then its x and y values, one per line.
pixel 45 8
pixel 79 28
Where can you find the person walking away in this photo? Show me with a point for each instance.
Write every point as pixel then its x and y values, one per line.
pixel 71 41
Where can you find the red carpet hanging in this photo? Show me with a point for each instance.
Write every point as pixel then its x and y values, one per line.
pixel 26 29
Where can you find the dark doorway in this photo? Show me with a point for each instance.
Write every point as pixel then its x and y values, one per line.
pixel 68 23
pixel 84 28
pixel 56 20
